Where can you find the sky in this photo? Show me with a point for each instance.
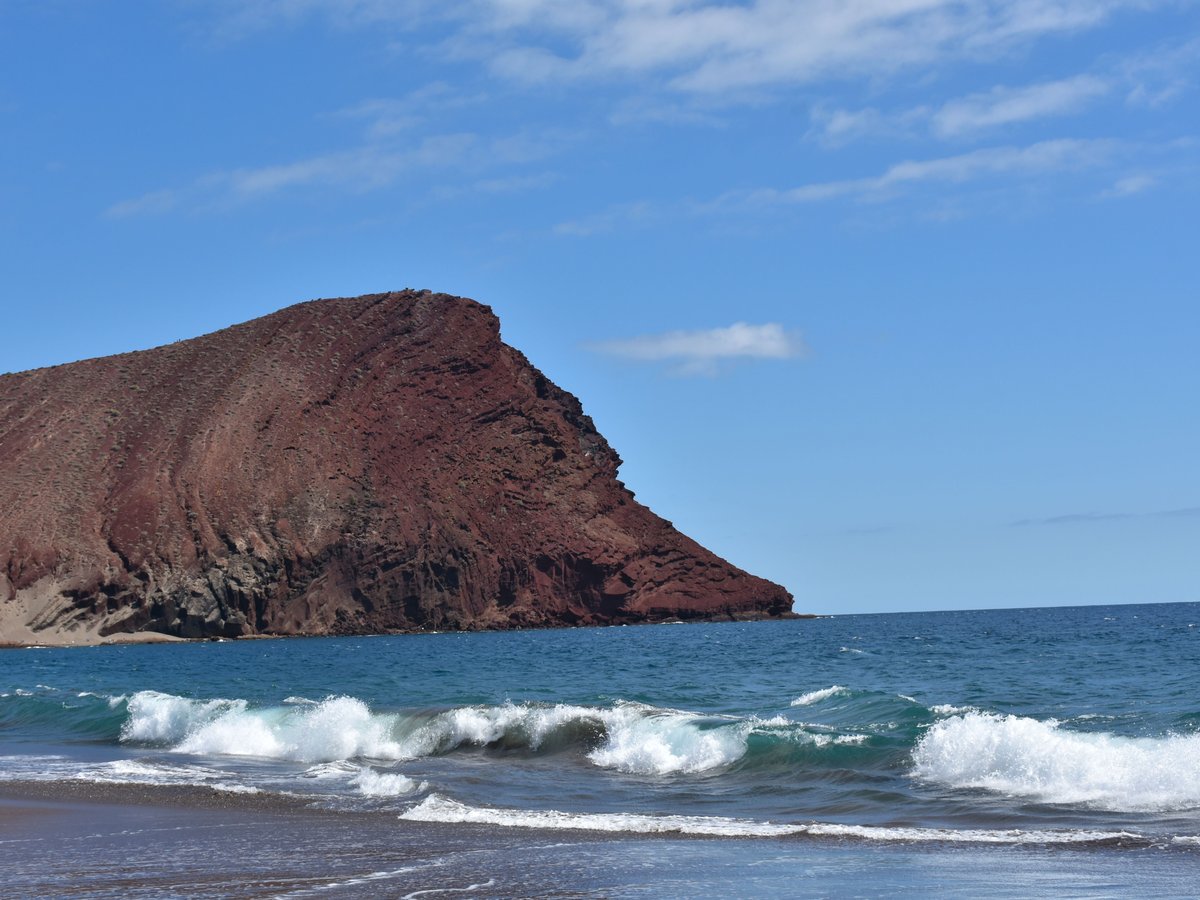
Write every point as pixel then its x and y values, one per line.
pixel 894 302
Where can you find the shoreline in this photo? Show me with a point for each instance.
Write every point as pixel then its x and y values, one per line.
pixel 57 641
pixel 84 839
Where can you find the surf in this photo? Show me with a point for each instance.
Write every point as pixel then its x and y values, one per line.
pixel 1044 762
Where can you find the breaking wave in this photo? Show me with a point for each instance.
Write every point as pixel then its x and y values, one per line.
pixel 1044 762
pixel 336 728
pixel 627 737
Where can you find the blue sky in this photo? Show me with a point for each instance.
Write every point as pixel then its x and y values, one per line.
pixel 896 303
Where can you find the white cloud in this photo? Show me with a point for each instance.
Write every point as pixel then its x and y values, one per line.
pixel 701 352
pixel 390 116
pixel 1130 185
pixel 704 46
pixel 361 168
pixel 836 127
pixel 1035 159
pixel 1006 106
pixel 153 203
pixel 1159 76
pixel 963 116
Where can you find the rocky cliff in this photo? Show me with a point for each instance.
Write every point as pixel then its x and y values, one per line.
pixel 342 466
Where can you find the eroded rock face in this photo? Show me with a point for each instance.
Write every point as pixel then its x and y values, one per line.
pixel 342 466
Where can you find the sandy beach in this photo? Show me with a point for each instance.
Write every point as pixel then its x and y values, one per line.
pixel 89 840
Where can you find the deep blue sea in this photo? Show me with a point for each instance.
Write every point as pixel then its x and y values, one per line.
pixel 1065 733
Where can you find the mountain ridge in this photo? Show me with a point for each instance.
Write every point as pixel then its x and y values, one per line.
pixel 351 465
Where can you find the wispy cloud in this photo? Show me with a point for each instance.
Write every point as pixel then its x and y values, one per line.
pixel 703 352
pixel 1006 106
pixel 396 143
pixel 1130 185
pixel 358 170
pixel 362 168
pixel 949 187
pixel 151 204
pixel 619 215
pixel 704 46
pixel 495 186
pixel 1035 159
pixel 1083 518
pixel 1158 76
pixel 390 116
pixel 837 127
pixel 963 117
pixel 1152 77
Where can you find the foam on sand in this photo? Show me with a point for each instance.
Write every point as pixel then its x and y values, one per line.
pixel 436 808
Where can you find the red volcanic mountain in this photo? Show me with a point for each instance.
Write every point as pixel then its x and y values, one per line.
pixel 341 466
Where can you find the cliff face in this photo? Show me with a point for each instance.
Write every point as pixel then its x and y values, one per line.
pixel 341 466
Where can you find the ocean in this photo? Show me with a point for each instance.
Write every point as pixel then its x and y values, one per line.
pixel 1032 752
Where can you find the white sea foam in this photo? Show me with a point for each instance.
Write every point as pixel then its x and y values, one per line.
pixel 371 783
pixel 465 889
pixel 132 771
pixel 435 808
pixel 947 709
pixel 817 696
pixel 482 725
pixel 359 880
pixel 337 769
pixel 631 737
pixel 824 740
pixel 1042 761
pixel 628 737
pixel 335 728
pixel 668 742
pixel 157 718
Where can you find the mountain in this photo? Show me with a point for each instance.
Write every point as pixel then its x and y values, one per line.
pixel 344 466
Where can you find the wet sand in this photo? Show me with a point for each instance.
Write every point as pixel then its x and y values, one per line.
pixel 92 840
pixel 101 840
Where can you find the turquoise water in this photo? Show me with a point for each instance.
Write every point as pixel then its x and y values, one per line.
pixel 1069 728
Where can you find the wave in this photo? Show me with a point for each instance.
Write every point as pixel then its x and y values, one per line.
pixel 1041 761
pixel 817 696
pixel 628 737
pixel 336 728
pixel 48 711
pixel 436 808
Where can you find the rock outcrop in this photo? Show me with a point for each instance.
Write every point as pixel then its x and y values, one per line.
pixel 374 464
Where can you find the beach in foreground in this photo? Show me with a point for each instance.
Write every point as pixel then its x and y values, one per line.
pixel 101 841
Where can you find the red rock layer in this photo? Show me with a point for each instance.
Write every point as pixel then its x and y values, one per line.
pixel 342 466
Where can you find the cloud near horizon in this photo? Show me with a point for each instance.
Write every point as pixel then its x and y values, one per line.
pixel 1185 512
pixel 702 352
